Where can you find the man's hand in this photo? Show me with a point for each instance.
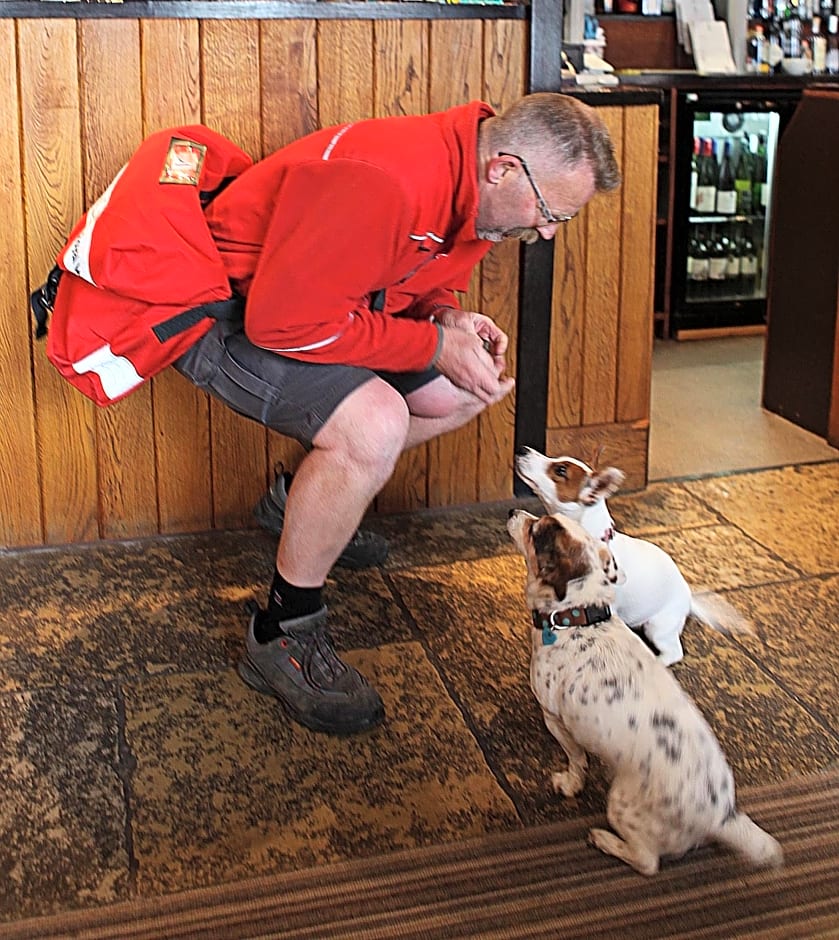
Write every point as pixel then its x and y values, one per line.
pixel 472 354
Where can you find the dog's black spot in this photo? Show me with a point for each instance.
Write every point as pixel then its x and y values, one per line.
pixel 672 750
pixel 663 720
pixel 572 687
pixel 668 737
pixel 614 691
pixel 548 683
pixel 632 722
pixel 712 792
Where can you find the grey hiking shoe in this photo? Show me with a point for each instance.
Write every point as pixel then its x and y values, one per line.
pixel 301 669
pixel 364 550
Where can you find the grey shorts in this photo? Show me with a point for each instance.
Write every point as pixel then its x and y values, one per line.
pixel 292 397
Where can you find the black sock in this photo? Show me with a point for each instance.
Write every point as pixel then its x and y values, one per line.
pixel 285 602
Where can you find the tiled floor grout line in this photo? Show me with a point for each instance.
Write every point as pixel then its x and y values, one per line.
pixel 498 775
pixel 126 765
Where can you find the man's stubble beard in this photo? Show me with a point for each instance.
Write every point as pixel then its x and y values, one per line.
pixel 526 235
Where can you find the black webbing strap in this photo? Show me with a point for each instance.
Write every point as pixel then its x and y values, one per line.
pixel 217 309
pixel 42 301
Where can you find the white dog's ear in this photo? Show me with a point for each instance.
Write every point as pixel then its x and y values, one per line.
pixel 601 485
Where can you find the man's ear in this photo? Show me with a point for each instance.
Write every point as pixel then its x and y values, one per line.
pixel 498 167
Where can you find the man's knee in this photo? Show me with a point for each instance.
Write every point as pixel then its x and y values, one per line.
pixel 441 399
pixel 370 425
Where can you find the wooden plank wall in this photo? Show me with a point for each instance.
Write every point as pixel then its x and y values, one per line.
pixel 76 98
pixel 602 326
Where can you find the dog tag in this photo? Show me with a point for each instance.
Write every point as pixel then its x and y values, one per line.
pixel 548 636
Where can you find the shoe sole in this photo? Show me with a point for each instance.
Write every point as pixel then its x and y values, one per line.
pixel 253 678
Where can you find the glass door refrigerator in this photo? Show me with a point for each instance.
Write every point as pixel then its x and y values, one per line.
pixel 725 159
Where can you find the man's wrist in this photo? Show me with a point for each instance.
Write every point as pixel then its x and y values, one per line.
pixel 439 347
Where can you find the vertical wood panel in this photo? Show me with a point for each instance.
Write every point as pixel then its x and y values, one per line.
pixel 112 128
pixel 401 87
pixel 232 105
pixel 90 91
pixel 456 67
pixel 565 375
pixel 636 317
pixel 345 71
pixel 52 177
pixel 603 269
pixel 171 93
pixel 20 495
pixel 505 55
pixel 288 64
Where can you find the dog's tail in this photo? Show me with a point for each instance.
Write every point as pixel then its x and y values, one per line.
pixel 740 833
pixel 715 611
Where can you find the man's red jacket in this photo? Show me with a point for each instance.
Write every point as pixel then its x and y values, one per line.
pixel 311 233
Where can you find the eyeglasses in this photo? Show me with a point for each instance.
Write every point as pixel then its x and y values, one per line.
pixel 544 208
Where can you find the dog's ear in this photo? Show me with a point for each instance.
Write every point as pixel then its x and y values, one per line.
pixel 559 556
pixel 601 485
pixel 613 574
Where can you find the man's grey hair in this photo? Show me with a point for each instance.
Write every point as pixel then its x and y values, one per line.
pixel 556 130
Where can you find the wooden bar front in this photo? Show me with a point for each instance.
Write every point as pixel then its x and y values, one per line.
pixel 76 98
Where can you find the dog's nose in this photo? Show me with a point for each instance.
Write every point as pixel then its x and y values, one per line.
pixel 511 513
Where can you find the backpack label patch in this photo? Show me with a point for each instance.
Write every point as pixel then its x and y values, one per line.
pixel 184 160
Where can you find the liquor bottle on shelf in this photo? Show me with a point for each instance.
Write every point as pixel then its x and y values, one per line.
pixel 757 58
pixel 774 46
pixel 694 172
pixel 831 61
pixel 743 178
pixel 726 193
pixel 819 47
pixel 706 187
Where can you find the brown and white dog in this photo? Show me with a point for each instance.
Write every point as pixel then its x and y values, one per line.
pixel 603 692
pixel 655 596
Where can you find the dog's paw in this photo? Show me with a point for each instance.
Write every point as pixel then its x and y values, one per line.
pixel 567 783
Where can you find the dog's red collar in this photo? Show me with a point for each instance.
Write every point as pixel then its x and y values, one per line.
pixel 550 621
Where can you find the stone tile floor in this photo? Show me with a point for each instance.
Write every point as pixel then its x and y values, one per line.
pixel 134 762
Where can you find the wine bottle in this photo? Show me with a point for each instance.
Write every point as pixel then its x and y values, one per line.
pixel 743 178
pixel 697 267
pixel 694 173
pixel 706 186
pixel 726 193
pixel 748 264
pixel 760 186
pixel 732 264
pixel 717 264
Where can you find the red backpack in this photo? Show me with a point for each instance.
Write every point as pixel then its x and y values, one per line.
pixel 140 279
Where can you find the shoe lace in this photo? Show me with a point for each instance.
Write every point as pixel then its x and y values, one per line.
pixel 320 665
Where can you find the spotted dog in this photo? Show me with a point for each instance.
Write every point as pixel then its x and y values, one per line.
pixel 603 692
pixel 655 597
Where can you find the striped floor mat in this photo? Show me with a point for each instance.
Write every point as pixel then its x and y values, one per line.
pixel 539 882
